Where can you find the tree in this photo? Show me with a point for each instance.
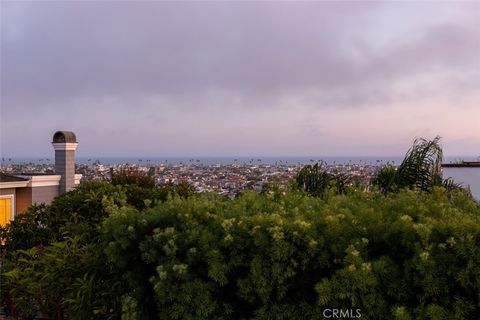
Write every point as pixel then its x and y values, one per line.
pixel 128 175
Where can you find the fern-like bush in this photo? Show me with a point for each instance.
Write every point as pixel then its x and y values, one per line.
pixel 409 255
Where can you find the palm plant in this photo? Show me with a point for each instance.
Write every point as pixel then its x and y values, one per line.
pixel 422 165
pixel 384 178
pixel 421 168
pixel 449 184
pixel 315 180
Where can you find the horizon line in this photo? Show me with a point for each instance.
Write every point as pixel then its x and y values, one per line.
pixel 226 156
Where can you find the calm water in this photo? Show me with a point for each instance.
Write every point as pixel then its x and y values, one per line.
pixel 466 176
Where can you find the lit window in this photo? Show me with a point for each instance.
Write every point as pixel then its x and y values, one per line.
pixel 6 210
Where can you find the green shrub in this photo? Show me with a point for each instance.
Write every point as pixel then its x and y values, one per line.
pixel 53 260
pixel 405 255
pixel 67 279
pixel 53 263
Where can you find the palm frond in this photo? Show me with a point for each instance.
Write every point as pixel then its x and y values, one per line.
pixel 421 167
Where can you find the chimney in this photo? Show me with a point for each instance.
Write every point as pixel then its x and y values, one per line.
pixel 65 144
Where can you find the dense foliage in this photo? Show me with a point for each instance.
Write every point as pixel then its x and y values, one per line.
pixel 276 255
pixel 130 250
pixel 53 261
pixel 51 252
pixel 409 255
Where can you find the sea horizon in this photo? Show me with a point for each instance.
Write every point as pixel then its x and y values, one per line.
pixel 299 160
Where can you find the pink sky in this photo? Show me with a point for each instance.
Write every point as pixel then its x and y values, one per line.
pixel 233 79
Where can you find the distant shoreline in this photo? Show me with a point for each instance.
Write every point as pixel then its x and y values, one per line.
pixel 466 164
pixel 301 160
pixel 368 160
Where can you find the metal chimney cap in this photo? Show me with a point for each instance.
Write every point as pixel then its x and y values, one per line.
pixel 64 137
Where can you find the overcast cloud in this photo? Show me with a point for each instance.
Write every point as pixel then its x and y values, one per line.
pixel 254 78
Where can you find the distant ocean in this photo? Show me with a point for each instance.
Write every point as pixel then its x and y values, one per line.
pixel 378 160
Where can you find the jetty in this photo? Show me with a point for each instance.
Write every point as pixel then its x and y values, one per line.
pixel 463 164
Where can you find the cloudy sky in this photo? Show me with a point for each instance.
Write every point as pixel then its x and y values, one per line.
pixel 230 78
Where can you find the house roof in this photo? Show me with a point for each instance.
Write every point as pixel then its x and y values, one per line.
pixel 32 174
pixel 9 178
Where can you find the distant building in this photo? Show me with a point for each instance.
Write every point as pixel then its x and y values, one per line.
pixel 18 192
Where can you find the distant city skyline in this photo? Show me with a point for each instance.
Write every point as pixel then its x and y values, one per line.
pixel 224 79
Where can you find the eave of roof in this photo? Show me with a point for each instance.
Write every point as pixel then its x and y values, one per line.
pixel 10 178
